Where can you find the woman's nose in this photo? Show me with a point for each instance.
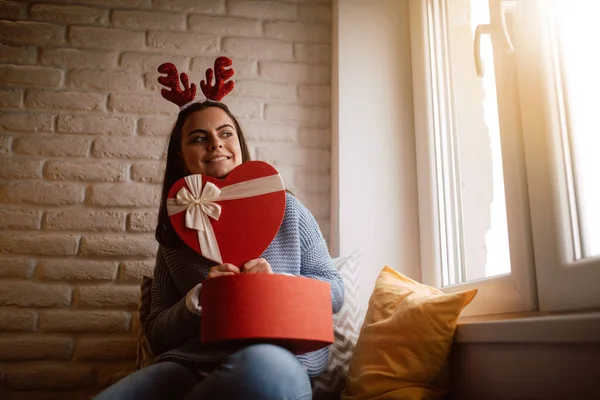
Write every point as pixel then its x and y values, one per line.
pixel 215 144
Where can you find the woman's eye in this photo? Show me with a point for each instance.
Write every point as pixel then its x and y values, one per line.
pixel 198 139
pixel 227 134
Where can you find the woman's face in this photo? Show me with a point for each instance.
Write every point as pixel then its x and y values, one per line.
pixel 210 144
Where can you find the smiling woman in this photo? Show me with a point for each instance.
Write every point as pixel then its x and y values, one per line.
pixel 208 140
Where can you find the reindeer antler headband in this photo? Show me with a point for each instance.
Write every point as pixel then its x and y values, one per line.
pixel 185 97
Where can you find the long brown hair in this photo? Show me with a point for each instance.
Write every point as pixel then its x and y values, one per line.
pixel 175 169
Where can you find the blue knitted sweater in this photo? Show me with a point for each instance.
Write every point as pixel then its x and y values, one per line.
pixel 173 331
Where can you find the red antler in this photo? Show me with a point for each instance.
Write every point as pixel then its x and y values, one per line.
pixel 220 88
pixel 176 95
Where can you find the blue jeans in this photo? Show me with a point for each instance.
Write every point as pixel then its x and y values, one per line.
pixel 263 372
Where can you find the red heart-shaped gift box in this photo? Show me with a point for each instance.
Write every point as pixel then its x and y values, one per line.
pixel 246 225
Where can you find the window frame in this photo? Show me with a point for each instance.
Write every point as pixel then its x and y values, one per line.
pixel 515 292
pixel 565 283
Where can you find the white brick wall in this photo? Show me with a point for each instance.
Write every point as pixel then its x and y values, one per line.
pixel 82 135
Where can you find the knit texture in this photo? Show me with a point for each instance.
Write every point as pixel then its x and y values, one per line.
pixel 173 331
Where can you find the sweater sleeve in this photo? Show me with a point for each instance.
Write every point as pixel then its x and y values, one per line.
pixel 316 262
pixel 170 323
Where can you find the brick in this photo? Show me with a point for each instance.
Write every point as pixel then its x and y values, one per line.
pixel 25 122
pixel 297 32
pixel 155 126
pixel 129 148
pixel 19 219
pixel 134 271
pixel 318 204
pixel 192 6
pixel 106 349
pixel 29 32
pixel 108 295
pixel 69 14
pixel 17 320
pixel 54 376
pixel 124 195
pixel 12 10
pixel 263 10
pixel 78 58
pixel 244 69
pixel 127 246
pixel 72 321
pixel 51 146
pixel 5 144
pixel 225 26
pixel 317 95
pixel 17 54
pixel 35 347
pixel 294 72
pixel 304 160
pixel 269 132
pixel 314 138
pixel 95 125
pixel 84 220
pixel 65 100
pixel 148 61
pixel 114 3
pixel 312 183
pixel 143 221
pixel 138 104
pixel 148 19
pixel 151 81
pixel 266 90
pixel 19 168
pixel 245 108
pixel 16 268
pixel 25 75
pixel 317 117
pixel 106 38
pixel 76 270
pixel 312 53
pixel 314 13
pixel 31 294
pixel 42 193
pixel 148 172
pixel 89 170
pixel 44 244
pixel 11 97
pixel 262 49
pixel 114 81
pixel 183 42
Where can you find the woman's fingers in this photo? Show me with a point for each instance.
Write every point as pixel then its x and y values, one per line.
pixel 227 268
pixel 258 266
pixel 223 270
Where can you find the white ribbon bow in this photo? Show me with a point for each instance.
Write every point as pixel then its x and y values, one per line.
pixel 199 205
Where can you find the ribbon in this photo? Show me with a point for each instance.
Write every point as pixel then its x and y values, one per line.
pixel 200 205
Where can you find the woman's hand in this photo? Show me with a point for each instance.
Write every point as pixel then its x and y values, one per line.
pixel 258 266
pixel 222 270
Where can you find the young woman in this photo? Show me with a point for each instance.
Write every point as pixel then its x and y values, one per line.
pixel 207 139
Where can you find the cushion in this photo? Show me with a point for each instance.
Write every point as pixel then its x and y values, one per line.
pixel 403 347
pixel 346 326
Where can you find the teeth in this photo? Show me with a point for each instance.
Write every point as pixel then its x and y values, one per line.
pixel 217 159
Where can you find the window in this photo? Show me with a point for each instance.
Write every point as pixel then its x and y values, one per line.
pixel 508 151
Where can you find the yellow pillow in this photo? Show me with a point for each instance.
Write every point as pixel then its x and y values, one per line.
pixel 404 343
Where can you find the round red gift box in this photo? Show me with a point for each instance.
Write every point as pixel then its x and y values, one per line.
pixel 291 311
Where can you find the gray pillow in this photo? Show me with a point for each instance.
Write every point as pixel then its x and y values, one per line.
pixel 346 327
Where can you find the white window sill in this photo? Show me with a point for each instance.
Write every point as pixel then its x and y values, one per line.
pixel 560 328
